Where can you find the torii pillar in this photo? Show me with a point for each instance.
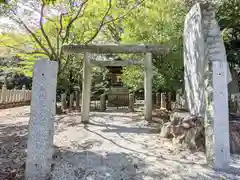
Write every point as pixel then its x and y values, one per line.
pixel 86 88
pixel 148 86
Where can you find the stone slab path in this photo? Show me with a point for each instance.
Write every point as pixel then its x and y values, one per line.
pixel 114 146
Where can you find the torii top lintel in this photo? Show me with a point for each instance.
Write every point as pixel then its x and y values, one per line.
pixel 115 48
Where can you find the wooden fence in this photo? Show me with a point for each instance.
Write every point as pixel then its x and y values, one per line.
pixel 14 97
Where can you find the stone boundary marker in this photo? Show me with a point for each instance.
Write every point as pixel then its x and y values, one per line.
pixel 206 76
pixel 40 132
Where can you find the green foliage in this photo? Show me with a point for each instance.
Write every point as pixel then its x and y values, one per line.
pixel 158 22
pixel 155 22
pixel 163 24
pixel 229 20
pixel 80 23
pixel 127 21
pixel 45 1
pixel 3 1
pixel 133 77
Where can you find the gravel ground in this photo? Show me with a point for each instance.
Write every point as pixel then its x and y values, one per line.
pixel 114 146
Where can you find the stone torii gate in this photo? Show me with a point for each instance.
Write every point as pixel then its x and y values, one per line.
pixel 43 103
pixel 147 50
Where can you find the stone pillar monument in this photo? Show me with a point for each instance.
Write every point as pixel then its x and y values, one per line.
pixel 206 76
pixel 40 132
pixel 103 102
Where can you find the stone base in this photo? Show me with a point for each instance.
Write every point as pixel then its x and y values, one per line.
pixel 184 129
pixel 188 131
pixel 117 97
pixel 234 132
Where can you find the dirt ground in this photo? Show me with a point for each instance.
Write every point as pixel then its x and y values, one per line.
pixel 114 146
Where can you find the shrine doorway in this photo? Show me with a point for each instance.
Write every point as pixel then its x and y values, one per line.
pixel 116 95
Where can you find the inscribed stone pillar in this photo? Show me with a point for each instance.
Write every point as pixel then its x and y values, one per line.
pixel 169 101
pixel 131 102
pixel 40 132
pixel 86 88
pixel 63 101
pixel 164 100
pixel 219 95
pixel 77 96
pixel 158 98
pixel 233 86
pixel 154 98
pixel 71 101
pixel 181 101
pixel 148 86
pixel 178 98
pixel 206 76
pixel 103 102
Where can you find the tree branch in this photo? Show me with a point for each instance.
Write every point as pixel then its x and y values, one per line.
pixel 72 21
pixel 43 31
pixel 20 22
pixel 67 61
pixel 107 22
pixel 24 51
pixel 114 32
pixel 70 24
pixel 59 34
pixel 36 52
pixel 101 24
pixel 61 24
pixel 77 39
pixel 58 39
pixel 39 11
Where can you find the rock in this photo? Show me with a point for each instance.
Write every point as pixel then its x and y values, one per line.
pixel 193 138
pixel 59 110
pixel 185 129
pixel 163 114
pixel 233 106
pixel 178 130
pixel 178 117
pixel 166 130
pixel 178 139
pixel 188 130
pixel 234 128
pixel 186 125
